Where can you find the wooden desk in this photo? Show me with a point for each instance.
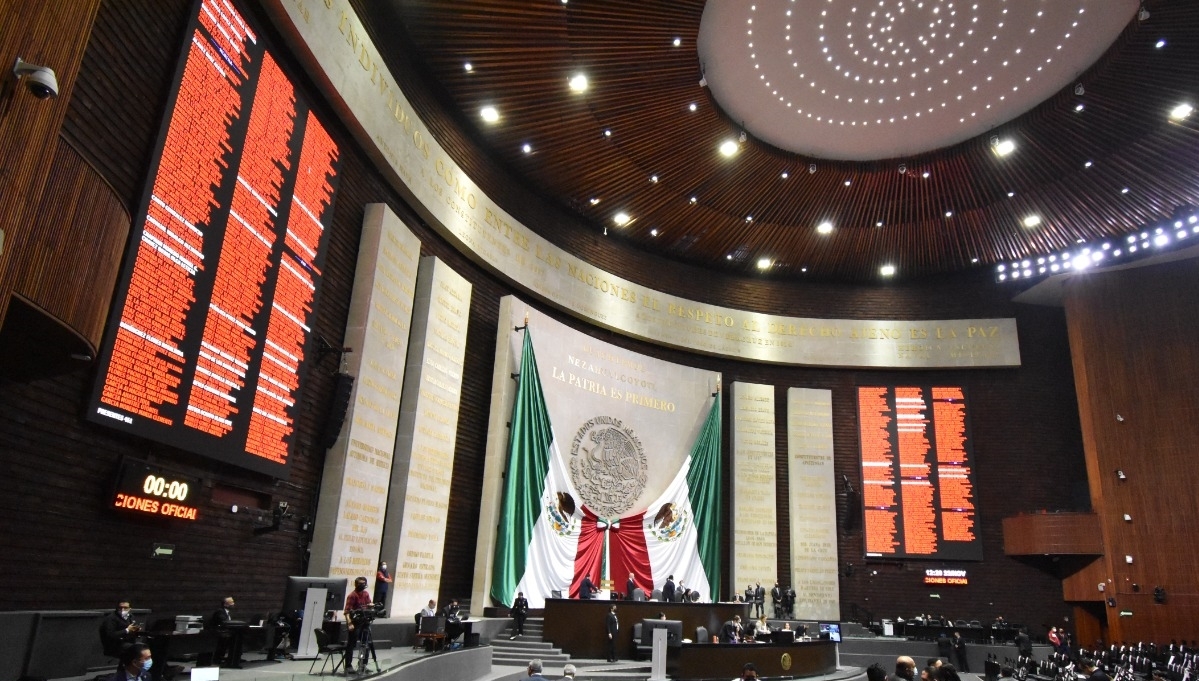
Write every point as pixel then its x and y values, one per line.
pixel 579 627
pixel 723 661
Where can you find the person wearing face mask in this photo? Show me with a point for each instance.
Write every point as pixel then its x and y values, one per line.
pixel 118 630
pixel 135 664
pixel 359 599
pixel 383 580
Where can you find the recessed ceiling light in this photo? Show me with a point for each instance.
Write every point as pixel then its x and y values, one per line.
pixel 468 67
pixel 1160 43
pixel 653 232
pixel 728 147
pixel 594 200
pixel 973 260
pixel 1124 190
pixel 1032 221
pixel 749 218
pixel 607 133
pixel 879 223
pixel 729 256
pixel 1079 107
pixel 785 175
pixel 887 270
pixel 621 219
pixel 948 213
pixel 489 114
pixel 1088 164
pixel 764 263
pixel 925 175
pixel 527 148
pixel 847 182
pixel 825 227
pixel 578 83
pixel 1004 147
pixel 653 178
pixel 1181 111
pixel 678 41
pixel 693 106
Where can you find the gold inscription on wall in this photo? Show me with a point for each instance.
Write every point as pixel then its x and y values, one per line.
pixel 342 49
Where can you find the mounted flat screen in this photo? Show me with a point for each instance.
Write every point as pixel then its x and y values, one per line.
pixel 210 328
pixel 918 484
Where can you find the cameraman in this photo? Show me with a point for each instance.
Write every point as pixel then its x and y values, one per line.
pixel 358 600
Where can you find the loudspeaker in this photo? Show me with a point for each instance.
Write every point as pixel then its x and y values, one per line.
pixel 1159 594
pixel 337 410
pixel 853 510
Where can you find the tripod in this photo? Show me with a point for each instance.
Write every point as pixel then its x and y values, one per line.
pixel 365 649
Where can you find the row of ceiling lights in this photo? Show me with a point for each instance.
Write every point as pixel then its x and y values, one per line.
pixel 729 148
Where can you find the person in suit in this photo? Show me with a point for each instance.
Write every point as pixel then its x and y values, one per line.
pixel 1023 643
pixel 520 612
pixel 759 599
pixel 134 664
pixel 732 631
pixel 383 580
pixel 453 620
pixel 944 646
pixel 587 588
pixel 534 670
pixel 630 586
pixel 613 626
pixel 776 598
pixel 668 590
pixel 749 595
pixel 229 635
pixel 905 669
pixel 118 630
pixel 789 601
pixel 959 652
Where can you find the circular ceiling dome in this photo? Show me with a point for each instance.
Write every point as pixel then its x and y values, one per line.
pixel 873 79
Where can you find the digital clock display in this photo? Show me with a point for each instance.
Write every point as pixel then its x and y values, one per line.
pixel 153 490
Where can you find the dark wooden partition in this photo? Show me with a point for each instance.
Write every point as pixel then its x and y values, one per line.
pixel 1136 365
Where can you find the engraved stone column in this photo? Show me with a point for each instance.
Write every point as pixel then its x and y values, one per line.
pixel 755 528
pixel 419 503
pixel 349 516
pixel 812 489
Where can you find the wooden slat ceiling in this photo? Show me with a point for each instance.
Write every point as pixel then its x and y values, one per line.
pixel 523 53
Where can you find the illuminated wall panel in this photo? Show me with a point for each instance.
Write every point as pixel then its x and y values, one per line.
pixel 918 489
pixel 207 339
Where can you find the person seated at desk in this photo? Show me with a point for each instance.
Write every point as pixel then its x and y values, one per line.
pixel 430 610
pixel 453 620
pixel 230 633
pixel 135 664
pixel 748 673
pixel 118 630
pixel 762 629
pixel 731 631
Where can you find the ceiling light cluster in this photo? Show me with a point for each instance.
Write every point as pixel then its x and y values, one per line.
pixel 1146 242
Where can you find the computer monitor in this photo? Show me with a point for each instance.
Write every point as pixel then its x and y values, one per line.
pixel 674 632
pixel 297 589
pixel 830 631
pixel 782 636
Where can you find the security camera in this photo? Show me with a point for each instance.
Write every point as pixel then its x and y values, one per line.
pixel 39 79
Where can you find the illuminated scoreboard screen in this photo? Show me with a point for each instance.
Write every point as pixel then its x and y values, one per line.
pixel 208 334
pixel 918 498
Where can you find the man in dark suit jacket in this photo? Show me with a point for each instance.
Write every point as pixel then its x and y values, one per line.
pixel 520 611
pixel 613 626
pixel 731 631
pixel 586 589
pixel 776 599
pixel 1023 643
pixel 668 590
pixel 229 635
pixel 759 599
pixel 630 586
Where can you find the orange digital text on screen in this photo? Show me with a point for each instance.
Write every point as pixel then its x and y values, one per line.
pixel 130 502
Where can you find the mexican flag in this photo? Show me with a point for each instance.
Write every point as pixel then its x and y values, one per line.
pixel 539 516
pixel 549 540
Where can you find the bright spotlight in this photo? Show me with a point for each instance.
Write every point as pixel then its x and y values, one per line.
pixel 578 83
pixel 489 114
pixel 1181 111
pixel 728 147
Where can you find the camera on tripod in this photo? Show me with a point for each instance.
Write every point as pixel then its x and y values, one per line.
pixel 364 616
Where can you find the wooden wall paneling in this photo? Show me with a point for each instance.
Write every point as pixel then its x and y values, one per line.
pixel 1083 585
pixel 1136 364
pixel 1052 534
pixel 53 33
